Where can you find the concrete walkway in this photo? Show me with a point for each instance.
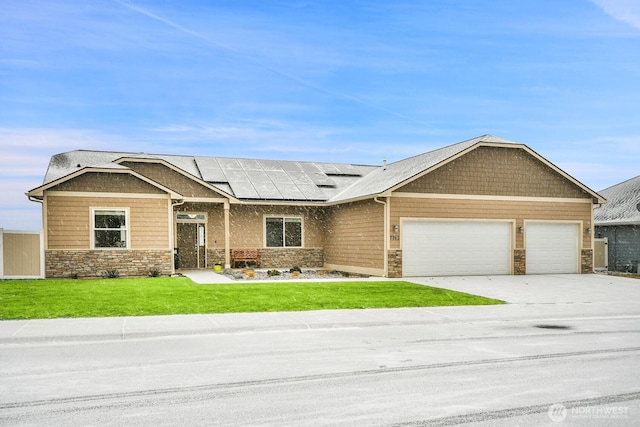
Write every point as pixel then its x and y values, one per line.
pixel 529 297
pixel 206 277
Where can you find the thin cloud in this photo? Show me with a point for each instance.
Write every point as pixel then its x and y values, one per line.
pixel 623 10
pixel 252 60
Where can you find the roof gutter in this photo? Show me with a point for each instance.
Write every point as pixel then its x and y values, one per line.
pixel 34 199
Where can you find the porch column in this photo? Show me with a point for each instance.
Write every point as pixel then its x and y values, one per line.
pixel 227 236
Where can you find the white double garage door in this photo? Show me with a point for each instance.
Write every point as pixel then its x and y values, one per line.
pixel 448 248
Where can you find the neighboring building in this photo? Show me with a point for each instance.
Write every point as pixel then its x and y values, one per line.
pixel 619 222
pixel 479 207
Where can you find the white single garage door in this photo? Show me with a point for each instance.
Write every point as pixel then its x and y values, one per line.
pixel 455 248
pixel 551 247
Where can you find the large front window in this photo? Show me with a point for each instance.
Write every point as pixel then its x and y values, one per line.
pixel 109 228
pixel 283 232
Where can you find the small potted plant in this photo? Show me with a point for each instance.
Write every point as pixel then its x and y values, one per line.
pixel 217 268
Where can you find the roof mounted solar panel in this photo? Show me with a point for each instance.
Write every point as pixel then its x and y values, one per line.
pixel 234 176
pixel 270 165
pixel 249 164
pixel 268 190
pixel 317 175
pixel 339 169
pixel 210 170
pixel 312 192
pixel 229 164
pixel 244 190
pixel 256 176
pixel 290 166
pixel 290 191
pixel 300 177
pixel 278 177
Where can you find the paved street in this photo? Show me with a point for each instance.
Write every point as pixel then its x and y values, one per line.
pixel 565 351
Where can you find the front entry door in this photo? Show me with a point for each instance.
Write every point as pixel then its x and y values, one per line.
pixel 191 245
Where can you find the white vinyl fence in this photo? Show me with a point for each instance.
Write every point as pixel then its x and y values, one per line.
pixel 21 254
pixel 601 254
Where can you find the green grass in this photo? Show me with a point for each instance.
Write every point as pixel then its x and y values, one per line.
pixel 38 299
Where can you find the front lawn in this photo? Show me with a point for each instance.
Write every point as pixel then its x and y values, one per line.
pixel 38 299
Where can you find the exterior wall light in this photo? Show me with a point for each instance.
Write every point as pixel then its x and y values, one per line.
pixel 589 230
pixel 396 228
pixel 521 230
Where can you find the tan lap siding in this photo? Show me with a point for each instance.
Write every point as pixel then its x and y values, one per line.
pixel 247 224
pixel 355 235
pixel 69 221
pixel 492 209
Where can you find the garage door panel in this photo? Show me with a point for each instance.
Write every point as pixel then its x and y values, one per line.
pixel 436 248
pixel 551 248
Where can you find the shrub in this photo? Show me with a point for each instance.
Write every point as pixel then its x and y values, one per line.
pixel 111 274
pixel 271 273
pixel 295 274
pixel 155 273
pixel 296 268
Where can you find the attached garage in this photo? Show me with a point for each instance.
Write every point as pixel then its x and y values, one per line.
pixel 551 247
pixel 442 248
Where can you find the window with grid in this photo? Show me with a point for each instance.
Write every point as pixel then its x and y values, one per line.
pixel 283 232
pixel 110 228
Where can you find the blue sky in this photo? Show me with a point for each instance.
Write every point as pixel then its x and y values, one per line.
pixel 341 81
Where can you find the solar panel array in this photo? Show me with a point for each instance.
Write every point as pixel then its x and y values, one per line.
pixel 272 179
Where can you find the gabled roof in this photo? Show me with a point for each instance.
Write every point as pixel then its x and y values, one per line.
pixel 387 178
pixel 242 179
pixel 623 204
pixel 279 181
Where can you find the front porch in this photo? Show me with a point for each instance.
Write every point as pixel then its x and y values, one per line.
pixel 206 233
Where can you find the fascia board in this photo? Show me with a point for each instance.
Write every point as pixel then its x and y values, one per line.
pixel 39 191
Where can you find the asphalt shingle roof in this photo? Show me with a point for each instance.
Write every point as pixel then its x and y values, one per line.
pixel 278 180
pixel 382 179
pixel 623 204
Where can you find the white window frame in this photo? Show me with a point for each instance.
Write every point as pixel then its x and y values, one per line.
pixel 126 228
pixel 193 217
pixel 284 219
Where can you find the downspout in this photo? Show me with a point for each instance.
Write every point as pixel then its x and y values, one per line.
pixel 43 240
pixel 386 235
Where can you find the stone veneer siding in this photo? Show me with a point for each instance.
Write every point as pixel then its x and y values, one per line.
pixel 519 261
pixel 587 261
pixel 287 258
pixel 94 263
pixel 395 263
pixel 215 256
pixel 277 258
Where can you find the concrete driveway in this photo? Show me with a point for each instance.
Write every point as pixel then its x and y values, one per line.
pixel 543 289
pixel 529 289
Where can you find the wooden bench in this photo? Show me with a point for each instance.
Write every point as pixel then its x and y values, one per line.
pixel 244 255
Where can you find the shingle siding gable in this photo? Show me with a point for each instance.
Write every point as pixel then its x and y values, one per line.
pixel 496 171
